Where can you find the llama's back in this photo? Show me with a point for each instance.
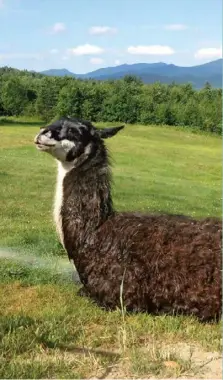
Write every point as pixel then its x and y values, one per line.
pixel 167 263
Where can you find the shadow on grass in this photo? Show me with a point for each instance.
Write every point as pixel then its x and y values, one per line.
pixel 8 122
pixel 114 356
pixel 88 351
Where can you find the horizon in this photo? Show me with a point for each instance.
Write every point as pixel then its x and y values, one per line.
pixel 131 64
pixel 108 67
pixel 85 36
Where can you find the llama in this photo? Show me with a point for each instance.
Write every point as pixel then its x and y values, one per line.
pixel 167 264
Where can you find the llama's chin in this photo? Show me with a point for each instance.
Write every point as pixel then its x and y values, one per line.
pixel 44 148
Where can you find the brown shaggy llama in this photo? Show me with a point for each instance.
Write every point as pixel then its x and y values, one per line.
pixel 166 263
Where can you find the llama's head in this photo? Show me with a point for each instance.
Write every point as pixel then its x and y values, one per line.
pixel 72 140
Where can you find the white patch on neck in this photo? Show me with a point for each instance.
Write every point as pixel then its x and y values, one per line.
pixel 63 169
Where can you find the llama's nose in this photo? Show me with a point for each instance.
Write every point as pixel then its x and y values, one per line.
pixel 36 141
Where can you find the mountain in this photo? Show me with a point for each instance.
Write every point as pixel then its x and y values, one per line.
pixel 151 72
pixel 58 73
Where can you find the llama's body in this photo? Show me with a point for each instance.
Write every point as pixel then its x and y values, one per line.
pixel 171 282
pixel 166 263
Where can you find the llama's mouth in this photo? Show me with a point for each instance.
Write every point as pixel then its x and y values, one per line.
pixel 43 146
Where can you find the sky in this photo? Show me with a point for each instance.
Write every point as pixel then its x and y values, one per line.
pixel 84 35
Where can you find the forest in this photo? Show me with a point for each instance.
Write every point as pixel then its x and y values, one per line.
pixel 126 100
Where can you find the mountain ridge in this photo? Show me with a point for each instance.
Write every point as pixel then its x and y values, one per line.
pixel 150 72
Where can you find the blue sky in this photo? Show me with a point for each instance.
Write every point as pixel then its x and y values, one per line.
pixel 84 35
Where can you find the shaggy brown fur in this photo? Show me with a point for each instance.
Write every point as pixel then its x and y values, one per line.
pixel 167 263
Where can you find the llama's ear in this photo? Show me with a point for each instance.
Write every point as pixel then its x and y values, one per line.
pixel 104 133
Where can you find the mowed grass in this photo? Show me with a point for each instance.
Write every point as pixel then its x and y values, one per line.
pixel 46 330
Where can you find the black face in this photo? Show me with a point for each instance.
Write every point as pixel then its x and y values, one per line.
pixel 67 139
pixel 69 129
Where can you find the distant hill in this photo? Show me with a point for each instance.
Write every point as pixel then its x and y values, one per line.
pixel 151 72
pixel 58 73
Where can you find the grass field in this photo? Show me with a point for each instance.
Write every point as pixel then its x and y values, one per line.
pixel 46 330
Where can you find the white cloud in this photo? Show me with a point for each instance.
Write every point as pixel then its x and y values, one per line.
pixel 54 51
pixel 102 30
pixel 208 53
pixel 96 61
pixel 117 62
pixel 1 3
pixel 86 50
pixel 65 58
pixel 58 27
pixel 171 27
pixel 150 50
pixel 175 27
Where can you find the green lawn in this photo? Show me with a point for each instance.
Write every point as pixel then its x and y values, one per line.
pixel 46 330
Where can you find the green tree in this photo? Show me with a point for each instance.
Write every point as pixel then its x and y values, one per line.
pixel 191 114
pixel 123 101
pixel 13 96
pixel 147 106
pixel 47 98
pixel 70 100
pixel 94 94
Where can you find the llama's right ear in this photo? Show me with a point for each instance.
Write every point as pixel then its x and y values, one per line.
pixel 105 133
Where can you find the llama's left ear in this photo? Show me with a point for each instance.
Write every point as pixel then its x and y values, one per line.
pixel 105 133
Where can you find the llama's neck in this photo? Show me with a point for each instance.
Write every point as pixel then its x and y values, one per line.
pixel 82 203
pixel 62 170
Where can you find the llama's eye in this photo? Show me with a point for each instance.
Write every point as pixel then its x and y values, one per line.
pixel 56 135
pixel 72 136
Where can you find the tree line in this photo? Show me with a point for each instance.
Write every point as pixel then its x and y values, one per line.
pixel 125 100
